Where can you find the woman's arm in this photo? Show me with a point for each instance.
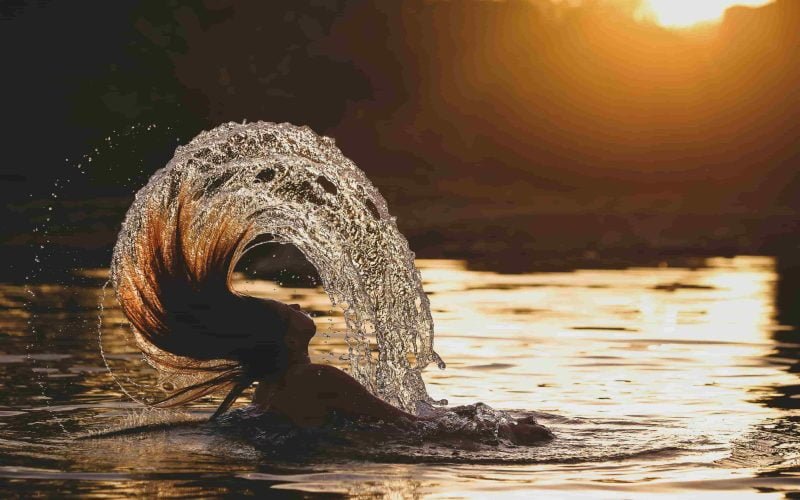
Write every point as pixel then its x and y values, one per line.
pixel 308 394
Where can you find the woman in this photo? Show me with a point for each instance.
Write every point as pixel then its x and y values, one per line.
pixel 172 273
pixel 309 394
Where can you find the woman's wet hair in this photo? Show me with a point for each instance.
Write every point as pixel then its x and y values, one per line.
pixel 175 289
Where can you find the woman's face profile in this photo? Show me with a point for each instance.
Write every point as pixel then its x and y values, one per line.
pixel 300 324
pixel 300 328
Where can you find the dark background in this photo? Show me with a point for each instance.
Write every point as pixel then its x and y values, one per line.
pixel 517 133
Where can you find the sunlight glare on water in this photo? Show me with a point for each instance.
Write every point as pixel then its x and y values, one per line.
pixel 656 381
pixel 677 348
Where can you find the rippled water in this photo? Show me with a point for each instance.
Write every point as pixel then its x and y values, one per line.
pixel 656 381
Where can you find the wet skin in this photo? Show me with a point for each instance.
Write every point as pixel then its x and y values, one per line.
pixel 308 394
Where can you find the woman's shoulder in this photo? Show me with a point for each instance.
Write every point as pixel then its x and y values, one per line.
pixel 315 373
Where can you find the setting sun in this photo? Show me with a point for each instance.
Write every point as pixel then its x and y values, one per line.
pixel 685 13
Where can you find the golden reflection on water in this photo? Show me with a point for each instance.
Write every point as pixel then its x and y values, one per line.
pixel 668 343
pixel 687 350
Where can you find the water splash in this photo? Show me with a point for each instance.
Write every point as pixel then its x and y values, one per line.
pixel 299 188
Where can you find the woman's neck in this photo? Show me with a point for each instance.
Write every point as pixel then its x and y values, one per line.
pixel 298 356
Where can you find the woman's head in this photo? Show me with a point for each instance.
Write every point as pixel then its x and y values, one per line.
pixel 300 328
pixel 277 336
pixel 172 272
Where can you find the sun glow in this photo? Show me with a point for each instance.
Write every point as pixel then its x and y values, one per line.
pixel 685 13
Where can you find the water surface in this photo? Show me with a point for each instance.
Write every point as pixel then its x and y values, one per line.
pixel 657 381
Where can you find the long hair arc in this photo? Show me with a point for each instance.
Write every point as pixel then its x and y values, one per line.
pixel 196 217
